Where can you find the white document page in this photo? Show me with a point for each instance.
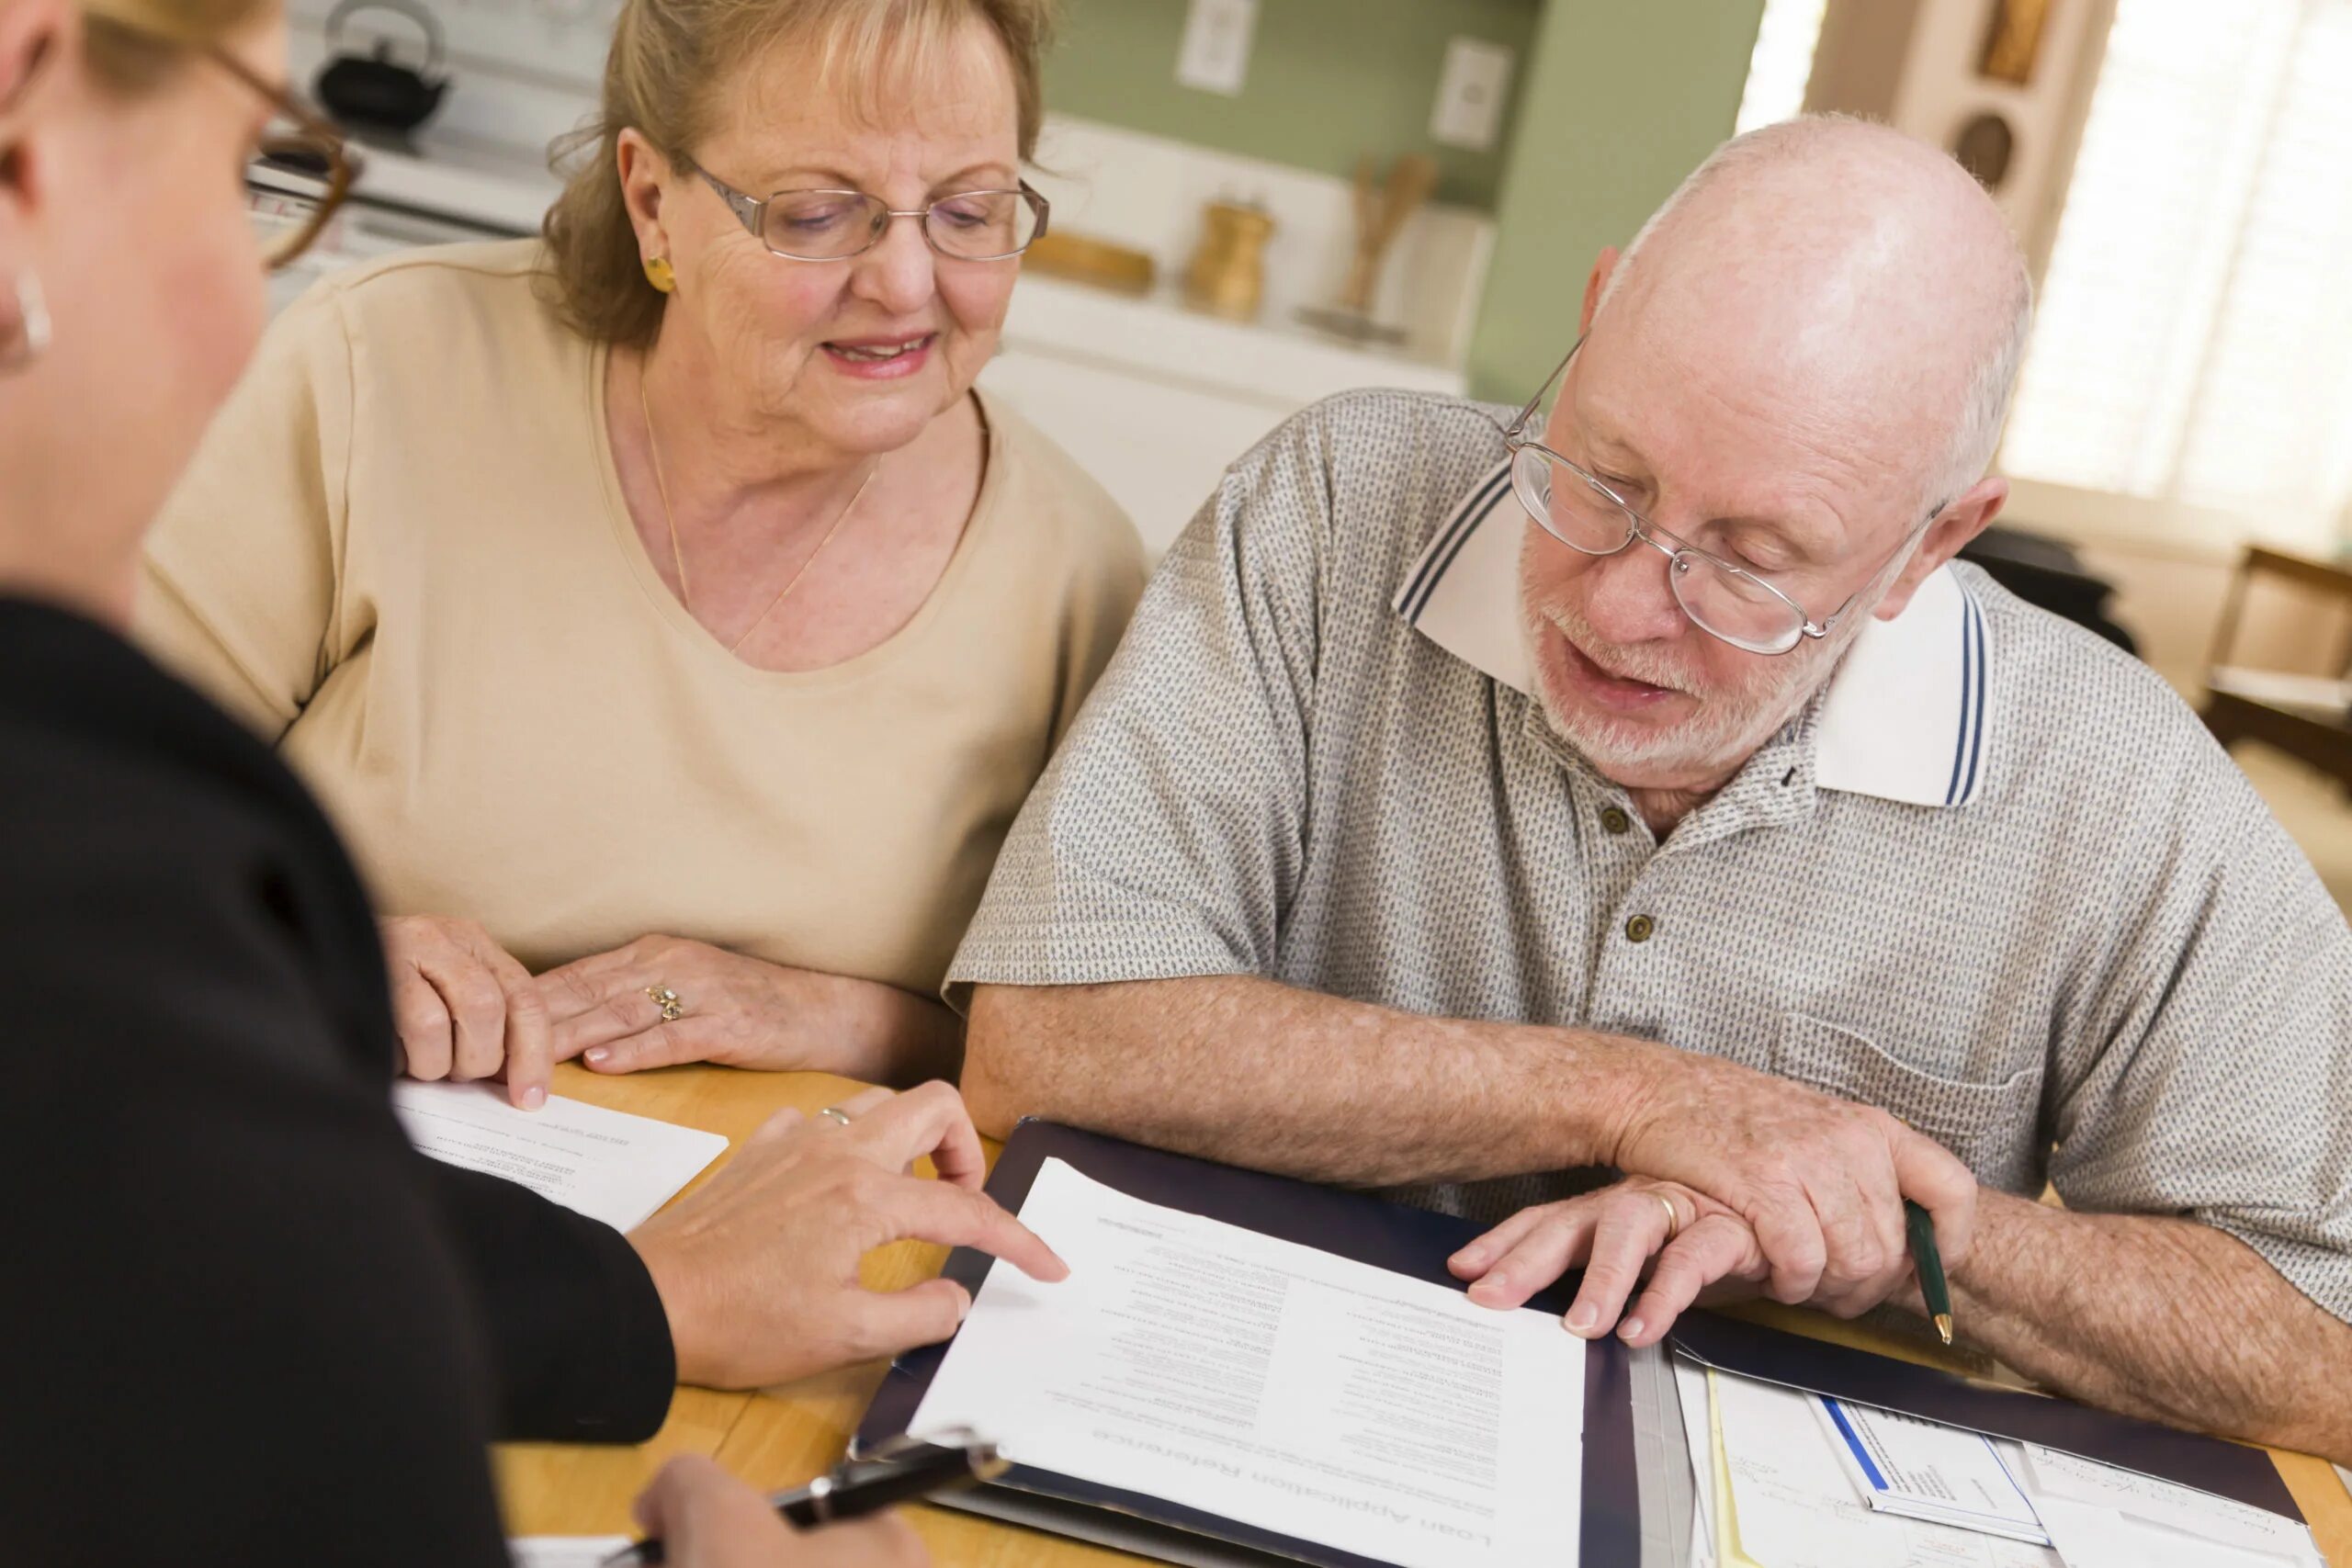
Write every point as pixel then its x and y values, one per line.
pixel 605 1164
pixel 564 1551
pixel 1274 1385
pixel 1792 1505
pixel 2090 1506
pixel 1926 1470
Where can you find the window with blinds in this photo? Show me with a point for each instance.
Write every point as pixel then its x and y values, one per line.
pixel 2191 366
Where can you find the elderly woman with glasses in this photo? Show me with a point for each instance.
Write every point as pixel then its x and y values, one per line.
pixel 659 608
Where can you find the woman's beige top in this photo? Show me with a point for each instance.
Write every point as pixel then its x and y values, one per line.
pixel 403 555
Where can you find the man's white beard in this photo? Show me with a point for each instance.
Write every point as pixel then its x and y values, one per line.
pixel 1714 742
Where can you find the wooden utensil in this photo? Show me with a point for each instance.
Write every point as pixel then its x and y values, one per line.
pixel 1379 219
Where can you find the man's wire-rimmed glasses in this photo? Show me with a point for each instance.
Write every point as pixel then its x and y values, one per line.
pixel 1577 507
pixel 834 225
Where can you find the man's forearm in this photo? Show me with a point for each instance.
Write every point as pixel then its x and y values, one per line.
pixel 1248 1070
pixel 2160 1317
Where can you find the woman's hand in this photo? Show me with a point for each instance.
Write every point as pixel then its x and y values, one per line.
pixel 706 1518
pixel 464 1007
pixel 1614 1234
pixel 662 1000
pixel 758 1271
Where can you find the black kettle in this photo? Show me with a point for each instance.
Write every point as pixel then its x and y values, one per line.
pixel 375 92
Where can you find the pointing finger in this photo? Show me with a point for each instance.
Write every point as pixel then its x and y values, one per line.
pixel 956 1216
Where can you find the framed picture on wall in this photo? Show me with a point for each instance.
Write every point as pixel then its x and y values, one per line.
pixel 2013 41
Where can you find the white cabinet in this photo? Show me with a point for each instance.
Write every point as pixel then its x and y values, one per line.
pixel 1155 400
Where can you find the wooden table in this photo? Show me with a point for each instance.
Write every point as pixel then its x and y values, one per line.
pixel 781 1436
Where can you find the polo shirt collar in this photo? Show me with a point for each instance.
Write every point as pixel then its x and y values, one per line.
pixel 1904 718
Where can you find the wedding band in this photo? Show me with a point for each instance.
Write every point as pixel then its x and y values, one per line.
pixel 1673 1216
pixel 835 1113
pixel 667 1000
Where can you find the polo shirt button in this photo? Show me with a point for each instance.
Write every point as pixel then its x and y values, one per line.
pixel 1615 819
pixel 1639 928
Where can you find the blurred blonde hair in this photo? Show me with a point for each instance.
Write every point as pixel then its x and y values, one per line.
pixel 672 64
pixel 133 45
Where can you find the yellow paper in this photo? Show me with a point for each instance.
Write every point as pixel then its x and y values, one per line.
pixel 1727 1549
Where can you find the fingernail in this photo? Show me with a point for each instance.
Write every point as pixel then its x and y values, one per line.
pixel 595 1055
pixel 533 1096
pixel 1469 1256
pixel 1630 1330
pixel 1581 1318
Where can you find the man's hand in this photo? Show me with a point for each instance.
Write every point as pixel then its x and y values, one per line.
pixel 1613 1233
pixel 465 1007
pixel 1820 1180
pixel 706 1518
pixel 758 1270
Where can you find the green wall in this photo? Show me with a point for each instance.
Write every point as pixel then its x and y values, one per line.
pixel 1618 99
pixel 1329 80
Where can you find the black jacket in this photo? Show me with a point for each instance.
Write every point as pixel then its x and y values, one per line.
pixel 245 1322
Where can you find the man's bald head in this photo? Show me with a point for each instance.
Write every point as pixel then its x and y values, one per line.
pixel 1850 265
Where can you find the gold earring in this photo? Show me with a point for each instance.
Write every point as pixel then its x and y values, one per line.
pixel 30 339
pixel 658 273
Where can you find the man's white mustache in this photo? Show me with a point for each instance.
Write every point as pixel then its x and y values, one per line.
pixel 1621 663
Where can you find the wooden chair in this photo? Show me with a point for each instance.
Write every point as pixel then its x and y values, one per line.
pixel 2309 717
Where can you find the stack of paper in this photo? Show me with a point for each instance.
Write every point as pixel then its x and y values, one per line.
pixel 605 1164
pixel 1789 1480
pixel 2100 1517
pixel 1274 1386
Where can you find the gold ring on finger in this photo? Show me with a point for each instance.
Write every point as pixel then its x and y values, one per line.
pixel 667 1000
pixel 1673 1216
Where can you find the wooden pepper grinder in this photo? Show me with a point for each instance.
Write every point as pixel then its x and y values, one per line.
pixel 1227 276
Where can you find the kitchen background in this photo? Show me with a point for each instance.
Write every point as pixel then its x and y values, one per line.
pixel 2174 169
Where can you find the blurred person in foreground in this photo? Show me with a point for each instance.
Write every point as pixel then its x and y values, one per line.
pixel 251 1324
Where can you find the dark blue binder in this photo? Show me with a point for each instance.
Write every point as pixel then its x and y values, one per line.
pixel 1415 1243
pixel 1411 1241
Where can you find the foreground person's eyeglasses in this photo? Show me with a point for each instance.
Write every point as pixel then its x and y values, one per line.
pixel 302 174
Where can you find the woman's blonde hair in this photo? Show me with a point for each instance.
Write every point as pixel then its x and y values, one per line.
pixel 133 45
pixel 671 65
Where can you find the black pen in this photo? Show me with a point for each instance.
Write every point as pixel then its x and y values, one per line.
pixel 1930 1265
pixel 898 1472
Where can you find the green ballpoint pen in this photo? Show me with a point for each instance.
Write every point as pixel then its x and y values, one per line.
pixel 1930 1265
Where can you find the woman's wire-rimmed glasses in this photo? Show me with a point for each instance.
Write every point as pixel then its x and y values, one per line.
pixel 302 175
pixel 1730 603
pixel 834 225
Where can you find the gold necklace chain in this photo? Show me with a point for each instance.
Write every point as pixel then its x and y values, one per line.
pixel 678 556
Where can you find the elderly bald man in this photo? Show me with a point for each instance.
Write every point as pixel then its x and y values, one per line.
pixel 1718 828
